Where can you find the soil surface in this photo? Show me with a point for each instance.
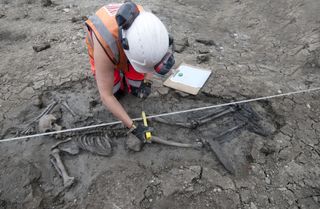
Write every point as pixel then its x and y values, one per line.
pixel 254 48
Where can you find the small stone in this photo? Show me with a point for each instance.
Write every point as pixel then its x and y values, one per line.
pixel 66 10
pixel 234 35
pixel 217 190
pixel 46 3
pixel 268 181
pixel 253 206
pixel 271 200
pixel 308 106
pixel 79 19
pixel 245 196
pixel 179 48
pixel 184 41
pixel 181 45
pixel 163 90
pixel 205 41
pixel 37 102
pixel 268 148
pixel 38 84
pixel 203 58
pixel 204 51
pixel 315 198
pixel 27 93
pixel 41 47
pixel 133 143
pixel 182 94
pixel 189 189
pixel 284 154
pixel 148 192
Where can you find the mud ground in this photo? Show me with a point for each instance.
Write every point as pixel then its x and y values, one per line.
pixel 254 48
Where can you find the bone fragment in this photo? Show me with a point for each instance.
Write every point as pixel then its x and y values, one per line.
pixel 58 164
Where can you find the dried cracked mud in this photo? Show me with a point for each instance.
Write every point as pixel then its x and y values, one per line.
pixel 254 48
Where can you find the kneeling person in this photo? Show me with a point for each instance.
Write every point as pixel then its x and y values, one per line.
pixel 126 45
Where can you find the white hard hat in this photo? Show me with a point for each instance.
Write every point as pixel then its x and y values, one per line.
pixel 148 42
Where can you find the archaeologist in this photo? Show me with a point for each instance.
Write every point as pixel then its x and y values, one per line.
pixel 126 45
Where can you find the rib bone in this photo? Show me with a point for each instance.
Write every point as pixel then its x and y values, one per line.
pixel 99 145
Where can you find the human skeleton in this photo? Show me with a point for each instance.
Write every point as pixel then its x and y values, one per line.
pixel 97 141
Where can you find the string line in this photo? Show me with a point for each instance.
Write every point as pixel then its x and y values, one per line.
pixel 163 114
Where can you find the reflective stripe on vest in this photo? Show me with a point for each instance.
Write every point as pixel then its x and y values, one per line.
pixel 106 35
pixel 105 28
pixel 134 83
pixel 116 87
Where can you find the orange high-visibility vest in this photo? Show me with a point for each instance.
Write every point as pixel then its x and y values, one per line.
pixel 104 26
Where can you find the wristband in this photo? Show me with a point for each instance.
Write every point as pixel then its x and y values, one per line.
pixel 131 128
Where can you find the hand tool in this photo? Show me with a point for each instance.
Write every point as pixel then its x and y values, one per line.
pixel 145 123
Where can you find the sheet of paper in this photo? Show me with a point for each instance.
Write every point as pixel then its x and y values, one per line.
pixel 190 76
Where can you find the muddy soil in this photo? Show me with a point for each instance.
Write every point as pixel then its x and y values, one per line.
pixel 254 48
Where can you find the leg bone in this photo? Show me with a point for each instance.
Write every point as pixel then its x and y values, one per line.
pixel 158 140
pixel 69 146
pixel 215 115
pixel 230 130
pixel 65 104
pixel 58 164
pixel 198 122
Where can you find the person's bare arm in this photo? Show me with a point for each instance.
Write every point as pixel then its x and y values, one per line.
pixel 104 76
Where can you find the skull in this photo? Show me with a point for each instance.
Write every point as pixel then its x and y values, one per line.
pixel 48 123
